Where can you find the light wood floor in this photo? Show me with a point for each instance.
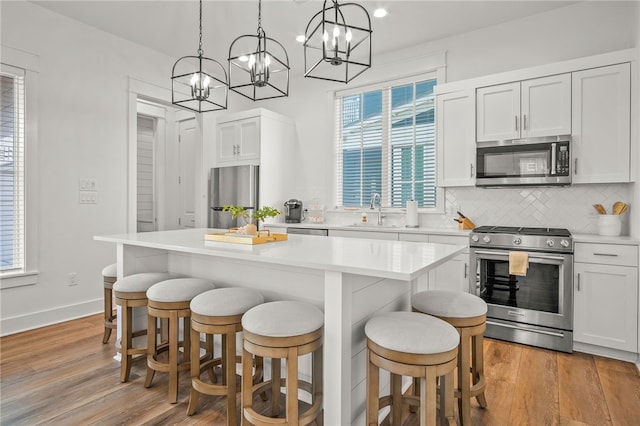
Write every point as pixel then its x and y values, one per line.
pixel 64 375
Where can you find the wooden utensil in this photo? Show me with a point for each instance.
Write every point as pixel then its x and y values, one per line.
pixel 600 208
pixel 619 208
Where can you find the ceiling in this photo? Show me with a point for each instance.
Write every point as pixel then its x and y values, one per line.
pixel 171 26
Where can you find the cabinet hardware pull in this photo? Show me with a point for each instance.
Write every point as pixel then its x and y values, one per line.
pixel 516 119
pixel 575 166
pixel 471 169
pixel 606 254
pixel 524 122
pixel 578 281
pixel 466 267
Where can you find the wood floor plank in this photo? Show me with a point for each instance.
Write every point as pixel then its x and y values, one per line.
pixel 535 400
pixel 580 391
pixel 501 360
pixel 64 375
pixel 622 394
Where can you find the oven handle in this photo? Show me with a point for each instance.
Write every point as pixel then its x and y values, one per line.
pixel 550 333
pixel 535 256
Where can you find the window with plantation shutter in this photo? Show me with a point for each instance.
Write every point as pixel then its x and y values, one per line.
pixel 385 138
pixel 12 209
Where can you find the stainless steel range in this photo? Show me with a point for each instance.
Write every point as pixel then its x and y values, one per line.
pixel 535 308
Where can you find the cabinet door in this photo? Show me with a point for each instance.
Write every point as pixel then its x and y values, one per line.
pixel 546 106
pixel 226 142
pixel 606 306
pixel 453 275
pixel 249 139
pixel 498 112
pixel 456 148
pixel 601 104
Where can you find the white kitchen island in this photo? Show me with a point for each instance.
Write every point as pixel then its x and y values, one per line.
pixel 350 279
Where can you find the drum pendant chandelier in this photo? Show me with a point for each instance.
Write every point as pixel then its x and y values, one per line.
pixel 337 44
pixel 258 65
pixel 199 83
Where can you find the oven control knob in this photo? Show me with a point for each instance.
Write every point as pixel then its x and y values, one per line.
pixel 486 239
pixel 550 243
pixel 564 243
pixel 474 238
pixel 517 241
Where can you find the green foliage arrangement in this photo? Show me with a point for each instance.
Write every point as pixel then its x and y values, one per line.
pixel 260 215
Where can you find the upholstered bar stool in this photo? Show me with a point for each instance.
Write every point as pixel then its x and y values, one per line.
pixel 109 277
pixel 468 314
pixel 218 312
pixel 416 345
pixel 170 299
pixel 131 292
pixel 283 330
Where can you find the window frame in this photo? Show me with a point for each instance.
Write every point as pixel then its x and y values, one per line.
pixel 28 62
pixel 437 74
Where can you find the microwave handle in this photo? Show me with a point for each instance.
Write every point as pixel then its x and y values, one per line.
pixel 553 159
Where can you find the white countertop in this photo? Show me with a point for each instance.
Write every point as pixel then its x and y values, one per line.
pixel 388 259
pixel 371 227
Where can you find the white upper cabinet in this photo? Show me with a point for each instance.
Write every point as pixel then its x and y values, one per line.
pixel 239 141
pixel 531 108
pixel 546 106
pixel 498 112
pixel 455 142
pixel 601 138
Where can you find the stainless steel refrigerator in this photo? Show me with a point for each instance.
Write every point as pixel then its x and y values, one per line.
pixel 237 185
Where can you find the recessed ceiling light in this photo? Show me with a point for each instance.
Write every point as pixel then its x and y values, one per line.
pixel 300 38
pixel 243 58
pixel 380 13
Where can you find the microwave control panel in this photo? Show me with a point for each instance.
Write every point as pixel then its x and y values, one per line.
pixel 562 159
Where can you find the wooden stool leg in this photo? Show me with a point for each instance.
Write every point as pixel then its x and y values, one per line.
pixel 373 387
pixel 416 392
pixel 292 387
pixel 230 370
pixel 126 342
pixel 108 314
pixel 173 357
pixel 396 398
pixel 275 386
pixel 209 350
pixel 194 395
pixel 247 379
pixel 446 399
pixel 478 368
pixel 428 397
pixel 464 378
pixel 152 333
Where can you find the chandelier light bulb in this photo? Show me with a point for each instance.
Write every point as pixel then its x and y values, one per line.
pixel 200 86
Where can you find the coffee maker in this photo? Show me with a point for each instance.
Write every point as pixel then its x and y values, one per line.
pixel 293 211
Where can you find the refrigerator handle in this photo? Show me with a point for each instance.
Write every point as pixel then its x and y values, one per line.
pixel 254 177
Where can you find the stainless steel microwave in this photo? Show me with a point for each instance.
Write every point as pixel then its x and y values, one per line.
pixel 532 162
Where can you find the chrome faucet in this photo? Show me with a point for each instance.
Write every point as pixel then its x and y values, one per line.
pixel 372 206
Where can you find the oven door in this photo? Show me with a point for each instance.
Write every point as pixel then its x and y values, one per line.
pixel 544 297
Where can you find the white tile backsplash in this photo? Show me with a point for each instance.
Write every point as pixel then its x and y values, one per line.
pixel 556 207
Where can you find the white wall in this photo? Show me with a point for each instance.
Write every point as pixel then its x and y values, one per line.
pixel 82 128
pixel 83 113
pixel 579 30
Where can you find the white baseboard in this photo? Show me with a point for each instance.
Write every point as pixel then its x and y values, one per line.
pixel 608 353
pixel 34 320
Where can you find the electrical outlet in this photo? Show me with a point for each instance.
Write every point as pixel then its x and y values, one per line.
pixel 72 278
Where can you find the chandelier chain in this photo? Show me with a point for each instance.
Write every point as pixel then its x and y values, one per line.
pixel 200 51
pixel 259 15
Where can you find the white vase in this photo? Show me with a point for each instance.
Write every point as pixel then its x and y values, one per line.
pixel 609 225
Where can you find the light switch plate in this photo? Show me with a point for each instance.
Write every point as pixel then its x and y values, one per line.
pixel 88 197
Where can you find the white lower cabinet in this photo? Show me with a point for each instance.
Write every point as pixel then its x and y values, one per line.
pixel 606 296
pixel 452 275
